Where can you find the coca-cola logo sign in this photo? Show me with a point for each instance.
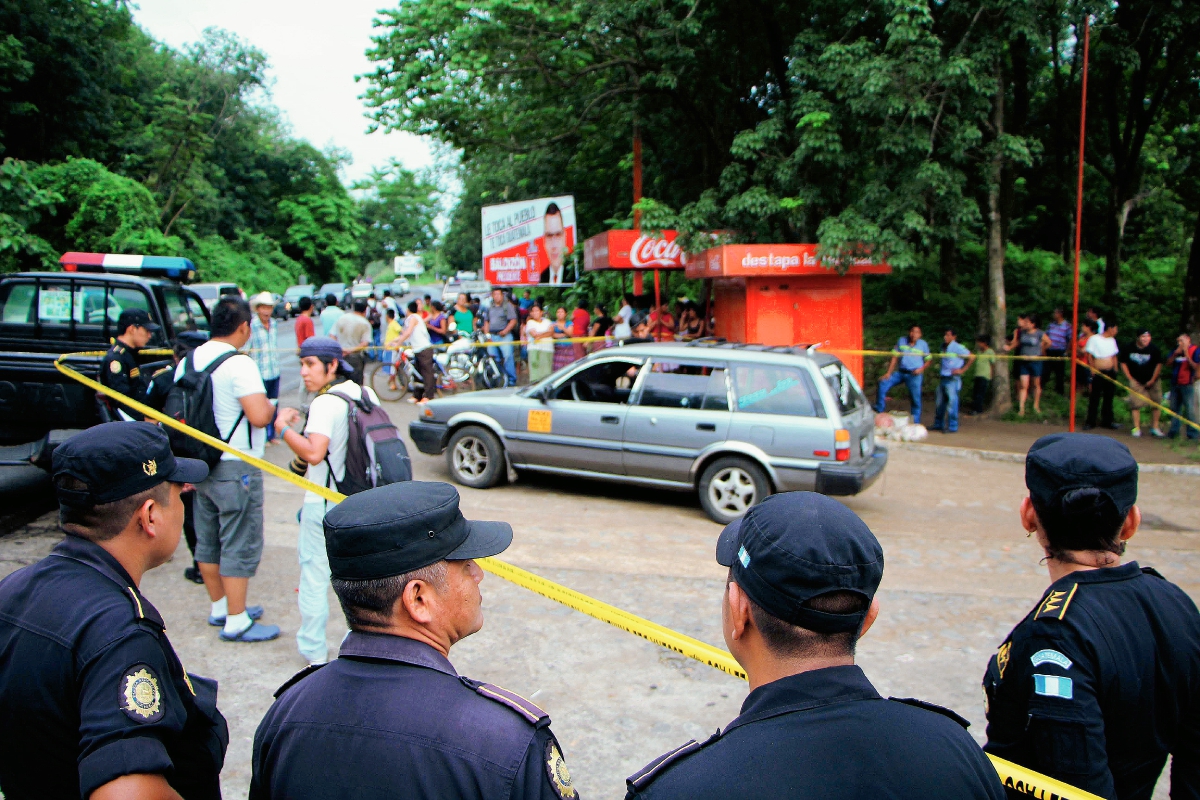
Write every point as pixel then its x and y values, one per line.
pixel 648 252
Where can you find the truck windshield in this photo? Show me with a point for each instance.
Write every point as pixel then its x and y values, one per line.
pixel 844 388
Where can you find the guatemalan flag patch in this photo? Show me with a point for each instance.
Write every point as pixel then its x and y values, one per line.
pixel 1053 686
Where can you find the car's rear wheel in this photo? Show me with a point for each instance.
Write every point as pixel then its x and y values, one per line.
pixel 475 457
pixel 730 486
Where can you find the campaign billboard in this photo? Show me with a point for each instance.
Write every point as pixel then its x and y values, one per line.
pixel 529 242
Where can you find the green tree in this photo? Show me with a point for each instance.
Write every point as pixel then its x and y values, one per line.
pixel 397 210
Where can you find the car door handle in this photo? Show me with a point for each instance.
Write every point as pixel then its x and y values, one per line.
pixel 705 426
pixel 610 420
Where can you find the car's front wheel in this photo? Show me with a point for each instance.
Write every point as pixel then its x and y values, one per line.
pixel 730 486
pixel 475 457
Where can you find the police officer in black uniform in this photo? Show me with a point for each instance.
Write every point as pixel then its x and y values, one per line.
pixel 120 369
pixel 93 700
pixel 800 592
pixel 1101 680
pixel 390 717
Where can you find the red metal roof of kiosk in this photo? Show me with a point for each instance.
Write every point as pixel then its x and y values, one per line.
pixel 753 260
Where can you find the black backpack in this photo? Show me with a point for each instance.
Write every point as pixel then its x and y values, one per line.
pixel 190 401
pixel 375 453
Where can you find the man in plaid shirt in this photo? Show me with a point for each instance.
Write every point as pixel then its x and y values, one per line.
pixel 264 347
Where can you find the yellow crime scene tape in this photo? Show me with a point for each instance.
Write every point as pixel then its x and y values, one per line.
pixel 1006 357
pixel 1014 776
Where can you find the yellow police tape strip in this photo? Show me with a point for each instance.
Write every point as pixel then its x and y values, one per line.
pixel 1149 402
pixel 1011 775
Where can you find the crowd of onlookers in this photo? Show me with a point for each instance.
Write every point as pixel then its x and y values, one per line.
pixel 1036 353
pixel 521 329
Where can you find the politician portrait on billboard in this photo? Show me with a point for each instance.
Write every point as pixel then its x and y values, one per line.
pixel 529 242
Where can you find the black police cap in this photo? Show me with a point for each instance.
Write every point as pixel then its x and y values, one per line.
pixel 401 527
pixel 795 546
pixel 136 316
pixel 1065 469
pixel 191 339
pixel 118 459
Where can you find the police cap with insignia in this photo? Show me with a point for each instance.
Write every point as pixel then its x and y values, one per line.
pixel 1081 475
pixel 115 460
pixel 394 529
pixel 135 316
pixel 795 546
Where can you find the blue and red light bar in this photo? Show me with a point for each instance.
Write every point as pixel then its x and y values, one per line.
pixel 180 269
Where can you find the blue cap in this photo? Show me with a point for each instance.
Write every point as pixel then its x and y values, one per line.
pixel 394 529
pixel 795 546
pixel 118 459
pixel 1068 472
pixel 325 347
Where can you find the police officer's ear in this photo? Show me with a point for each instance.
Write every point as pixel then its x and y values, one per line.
pixel 869 620
pixel 1133 521
pixel 1029 518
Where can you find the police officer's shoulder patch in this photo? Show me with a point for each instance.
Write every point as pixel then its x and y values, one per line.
pixel 114 367
pixel 140 695
pixel 1002 657
pixel 1056 603
pixel 945 712
pixel 299 676
pixel 642 778
pixel 557 772
pixel 526 708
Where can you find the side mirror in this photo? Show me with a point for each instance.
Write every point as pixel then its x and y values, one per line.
pixel 544 393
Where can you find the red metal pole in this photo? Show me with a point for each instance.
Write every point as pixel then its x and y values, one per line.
pixel 1087 35
pixel 637 196
pixel 658 334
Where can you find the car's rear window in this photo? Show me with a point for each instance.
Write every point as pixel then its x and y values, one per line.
pixel 844 387
pixel 771 389
pixel 676 385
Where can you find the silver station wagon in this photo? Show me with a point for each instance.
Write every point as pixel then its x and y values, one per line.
pixel 733 422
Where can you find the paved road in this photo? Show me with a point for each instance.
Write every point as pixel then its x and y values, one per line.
pixel 959 574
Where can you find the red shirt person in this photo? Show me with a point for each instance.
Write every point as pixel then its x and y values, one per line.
pixel 304 323
pixel 581 320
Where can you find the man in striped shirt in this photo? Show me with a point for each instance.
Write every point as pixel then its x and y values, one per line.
pixel 1059 332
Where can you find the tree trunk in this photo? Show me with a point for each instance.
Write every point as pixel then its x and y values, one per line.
pixel 1189 321
pixel 997 305
pixel 1112 247
pixel 948 264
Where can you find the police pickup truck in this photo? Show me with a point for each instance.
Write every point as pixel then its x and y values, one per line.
pixel 46 314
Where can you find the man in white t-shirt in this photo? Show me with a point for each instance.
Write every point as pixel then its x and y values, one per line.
pixel 321 445
pixel 1101 349
pixel 621 322
pixel 229 503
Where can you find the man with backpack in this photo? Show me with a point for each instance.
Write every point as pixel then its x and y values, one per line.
pixel 348 444
pixel 220 392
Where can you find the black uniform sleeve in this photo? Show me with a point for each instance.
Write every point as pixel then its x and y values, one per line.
pixel 122 373
pixel 1054 673
pixel 128 706
pixel 543 774
pixel 1185 758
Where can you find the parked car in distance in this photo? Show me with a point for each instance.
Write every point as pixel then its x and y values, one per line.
pixel 338 290
pixel 210 293
pixel 733 422
pixel 361 291
pixel 291 297
pixel 455 286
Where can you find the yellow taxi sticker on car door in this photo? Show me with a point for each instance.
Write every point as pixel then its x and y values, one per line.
pixel 538 421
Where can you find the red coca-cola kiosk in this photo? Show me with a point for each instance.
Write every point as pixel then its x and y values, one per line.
pixel 781 294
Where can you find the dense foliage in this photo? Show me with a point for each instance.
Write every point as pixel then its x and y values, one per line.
pixel 941 135
pixel 115 143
